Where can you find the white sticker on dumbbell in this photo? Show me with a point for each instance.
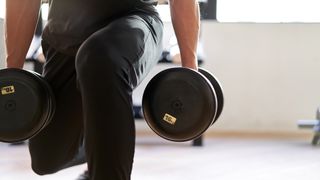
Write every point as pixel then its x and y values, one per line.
pixel 7 90
pixel 170 119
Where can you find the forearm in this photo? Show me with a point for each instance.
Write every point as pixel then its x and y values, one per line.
pixel 20 22
pixel 186 22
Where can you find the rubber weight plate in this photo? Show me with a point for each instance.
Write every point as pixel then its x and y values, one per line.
pixel 179 104
pixel 24 105
pixel 218 89
pixel 49 99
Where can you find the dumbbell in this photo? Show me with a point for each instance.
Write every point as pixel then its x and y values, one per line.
pixel 27 104
pixel 180 104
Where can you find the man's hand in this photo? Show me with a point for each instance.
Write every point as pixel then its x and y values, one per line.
pixel 20 22
pixel 186 22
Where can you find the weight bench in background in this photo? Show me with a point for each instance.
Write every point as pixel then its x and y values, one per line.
pixel 312 124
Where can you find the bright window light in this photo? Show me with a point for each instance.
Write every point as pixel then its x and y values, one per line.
pixel 248 11
pixel 164 12
pixel 44 10
pixel 268 10
pixel 2 8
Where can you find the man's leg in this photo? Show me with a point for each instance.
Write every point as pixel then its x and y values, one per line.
pixel 57 145
pixel 109 64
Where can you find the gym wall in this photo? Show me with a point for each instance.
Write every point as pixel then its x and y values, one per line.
pixel 270 73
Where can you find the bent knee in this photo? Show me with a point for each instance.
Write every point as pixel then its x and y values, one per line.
pixel 92 57
pixel 108 62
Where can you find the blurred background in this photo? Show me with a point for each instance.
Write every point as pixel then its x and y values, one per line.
pixel 266 55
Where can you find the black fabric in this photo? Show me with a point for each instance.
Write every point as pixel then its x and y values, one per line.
pixel 93 90
pixel 70 22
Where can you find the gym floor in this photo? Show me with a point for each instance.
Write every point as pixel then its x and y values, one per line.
pixel 223 157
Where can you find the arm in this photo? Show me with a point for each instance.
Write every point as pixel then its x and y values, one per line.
pixel 186 22
pixel 20 22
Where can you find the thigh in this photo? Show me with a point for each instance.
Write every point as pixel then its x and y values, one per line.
pixel 131 44
pixel 58 142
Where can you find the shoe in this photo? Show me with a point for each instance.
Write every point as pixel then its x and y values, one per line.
pixel 84 176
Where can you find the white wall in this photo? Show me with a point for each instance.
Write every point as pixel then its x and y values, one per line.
pixel 270 73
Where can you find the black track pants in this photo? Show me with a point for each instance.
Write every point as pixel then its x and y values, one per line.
pixel 94 122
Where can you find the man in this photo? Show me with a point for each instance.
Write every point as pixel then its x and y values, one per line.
pixel 97 52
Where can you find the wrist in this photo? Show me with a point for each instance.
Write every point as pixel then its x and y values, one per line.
pixel 14 64
pixel 192 64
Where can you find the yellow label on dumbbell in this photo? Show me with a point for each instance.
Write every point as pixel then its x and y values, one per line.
pixel 169 119
pixel 7 90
